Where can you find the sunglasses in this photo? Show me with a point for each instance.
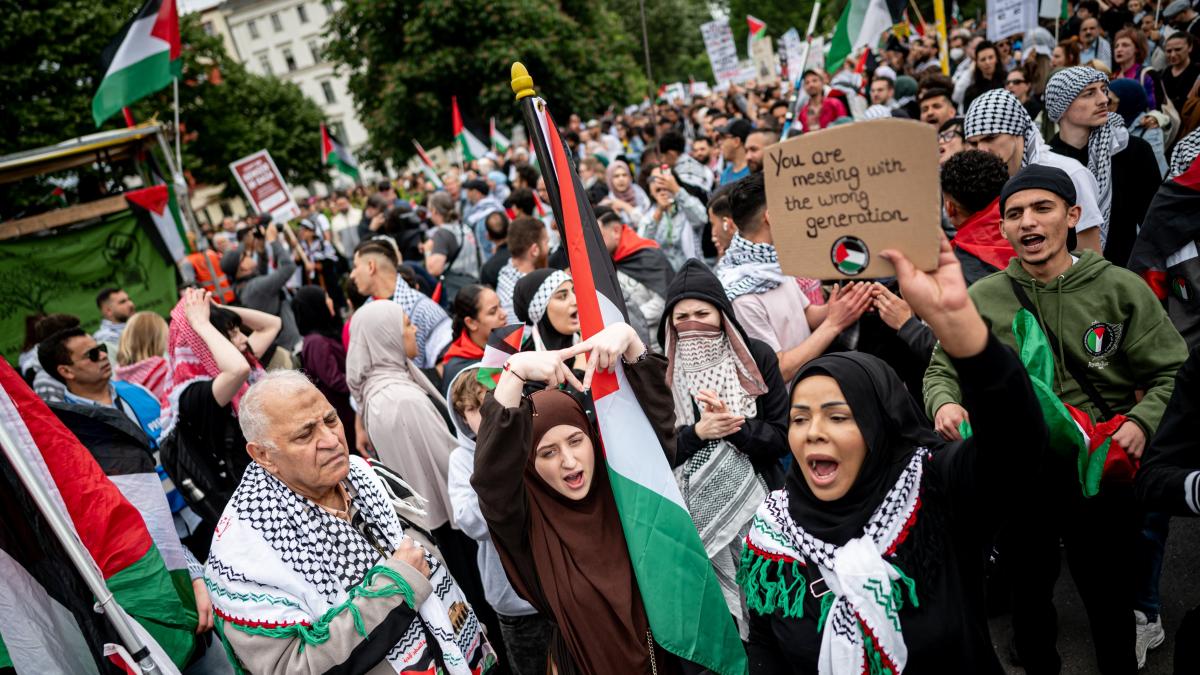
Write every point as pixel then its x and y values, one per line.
pixel 95 353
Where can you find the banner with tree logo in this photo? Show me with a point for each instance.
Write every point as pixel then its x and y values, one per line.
pixel 64 270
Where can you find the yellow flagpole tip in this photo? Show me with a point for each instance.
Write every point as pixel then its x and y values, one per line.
pixel 522 83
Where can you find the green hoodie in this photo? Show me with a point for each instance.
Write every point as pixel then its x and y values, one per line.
pixel 1106 317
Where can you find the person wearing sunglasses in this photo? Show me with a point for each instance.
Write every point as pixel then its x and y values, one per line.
pixel 118 422
pixel 1018 84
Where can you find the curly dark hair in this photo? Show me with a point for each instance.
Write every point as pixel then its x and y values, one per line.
pixel 974 179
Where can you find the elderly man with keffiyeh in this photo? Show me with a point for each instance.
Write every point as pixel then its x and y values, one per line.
pixel 312 569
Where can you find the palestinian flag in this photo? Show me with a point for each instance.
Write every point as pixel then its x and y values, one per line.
pixel 850 256
pixel 679 588
pixel 1179 287
pixel 427 167
pixel 502 343
pixel 58 195
pixel 757 30
pixel 500 142
pixel 861 25
pixel 468 146
pixel 1170 225
pixel 141 60
pixel 54 628
pixel 159 205
pixel 334 154
pixel 1073 433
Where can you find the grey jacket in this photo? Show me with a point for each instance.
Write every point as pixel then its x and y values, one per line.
pixel 265 293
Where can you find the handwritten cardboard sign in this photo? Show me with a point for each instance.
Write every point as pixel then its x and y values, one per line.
pixel 838 197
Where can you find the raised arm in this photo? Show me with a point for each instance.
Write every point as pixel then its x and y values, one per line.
pixel 263 326
pixel 234 367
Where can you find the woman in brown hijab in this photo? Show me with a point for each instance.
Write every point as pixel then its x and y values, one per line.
pixel 543 489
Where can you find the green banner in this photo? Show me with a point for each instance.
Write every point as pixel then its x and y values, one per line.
pixel 63 272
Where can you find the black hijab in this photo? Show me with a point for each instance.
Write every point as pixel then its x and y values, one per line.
pixel 523 295
pixel 312 314
pixel 893 427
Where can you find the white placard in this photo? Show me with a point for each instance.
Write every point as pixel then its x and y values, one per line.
pixel 793 48
pixel 1010 17
pixel 722 52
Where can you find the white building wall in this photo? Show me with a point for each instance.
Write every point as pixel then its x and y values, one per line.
pixel 267 32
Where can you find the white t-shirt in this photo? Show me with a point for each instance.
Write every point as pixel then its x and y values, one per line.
pixel 1086 191
pixel 775 317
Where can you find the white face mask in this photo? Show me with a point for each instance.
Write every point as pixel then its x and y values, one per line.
pixel 956 53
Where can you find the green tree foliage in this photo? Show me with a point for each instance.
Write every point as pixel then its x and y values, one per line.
pixel 673 28
pixel 228 112
pixel 405 59
pixel 49 71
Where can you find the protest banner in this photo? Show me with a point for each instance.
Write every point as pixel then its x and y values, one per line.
pixel 838 197
pixel 264 186
pixel 791 50
pixel 722 52
pixel 63 272
pixel 1010 17
pixel 763 54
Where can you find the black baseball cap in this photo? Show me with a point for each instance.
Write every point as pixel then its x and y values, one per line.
pixel 739 127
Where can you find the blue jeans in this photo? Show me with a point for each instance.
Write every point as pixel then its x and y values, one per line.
pixel 1151 547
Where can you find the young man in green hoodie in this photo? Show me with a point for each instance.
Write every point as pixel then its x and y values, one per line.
pixel 1109 329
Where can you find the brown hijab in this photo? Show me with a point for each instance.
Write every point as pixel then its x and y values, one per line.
pixel 582 562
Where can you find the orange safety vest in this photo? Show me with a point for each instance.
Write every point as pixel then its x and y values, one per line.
pixel 207 264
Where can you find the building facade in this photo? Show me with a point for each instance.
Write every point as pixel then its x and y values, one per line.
pixel 284 38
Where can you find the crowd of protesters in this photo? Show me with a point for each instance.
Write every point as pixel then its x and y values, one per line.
pixel 315 374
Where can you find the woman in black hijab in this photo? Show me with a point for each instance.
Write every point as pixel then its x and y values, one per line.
pixel 322 355
pixel 872 552
pixel 544 300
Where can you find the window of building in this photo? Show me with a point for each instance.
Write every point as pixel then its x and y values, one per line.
pixel 314 48
pixel 225 210
pixel 289 58
pixel 264 61
pixel 327 90
pixel 302 13
pixel 339 131
pixel 328 6
pixel 253 28
pixel 208 27
pixel 276 23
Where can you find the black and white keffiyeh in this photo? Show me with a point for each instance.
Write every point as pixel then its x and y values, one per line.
pixel 749 268
pixel 1104 141
pixel 423 312
pixel 999 112
pixel 541 299
pixel 281 567
pixel 868 590
pixel 719 484
pixel 1184 154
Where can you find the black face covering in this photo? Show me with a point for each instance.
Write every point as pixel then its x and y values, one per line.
pixel 892 426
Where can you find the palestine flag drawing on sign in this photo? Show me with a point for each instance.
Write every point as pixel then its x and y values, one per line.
pixel 850 255
pixel 141 60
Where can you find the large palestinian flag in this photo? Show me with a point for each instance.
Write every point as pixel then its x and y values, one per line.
pixel 336 155
pixel 683 599
pixel 48 623
pixel 141 60
pixel 469 146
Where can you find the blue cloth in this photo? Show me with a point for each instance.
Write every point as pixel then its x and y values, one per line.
pixel 730 176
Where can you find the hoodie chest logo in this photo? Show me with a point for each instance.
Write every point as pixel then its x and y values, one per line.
pixel 1100 339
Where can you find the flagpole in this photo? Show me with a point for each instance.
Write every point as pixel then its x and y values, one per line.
pixel 522 86
pixel 80 558
pixel 178 154
pixel 649 76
